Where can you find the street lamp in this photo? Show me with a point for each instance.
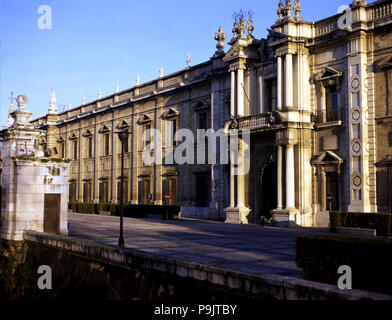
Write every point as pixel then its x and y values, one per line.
pixel 123 136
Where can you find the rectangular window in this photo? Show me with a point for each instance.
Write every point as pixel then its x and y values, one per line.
pixel 107 144
pixel 172 190
pixel 75 150
pixel 272 95
pixel 144 191
pixel 203 186
pixel 203 121
pixel 125 192
pixel 90 147
pixel 103 192
pixel 126 146
pixel 72 192
pixel 147 140
pixel 332 103
pixel 87 192
pixel 63 151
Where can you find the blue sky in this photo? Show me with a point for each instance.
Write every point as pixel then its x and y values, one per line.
pixel 93 44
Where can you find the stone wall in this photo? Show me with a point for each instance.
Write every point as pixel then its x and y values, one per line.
pixel 83 269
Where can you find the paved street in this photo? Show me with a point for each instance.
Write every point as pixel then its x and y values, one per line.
pixel 247 248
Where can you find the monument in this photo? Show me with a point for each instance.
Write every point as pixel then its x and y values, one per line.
pixel 34 185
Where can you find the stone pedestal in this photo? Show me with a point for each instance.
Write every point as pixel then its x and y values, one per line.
pixel 237 215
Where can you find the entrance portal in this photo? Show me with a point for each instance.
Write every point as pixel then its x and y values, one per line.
pixel 333 189
pixel 52 213
pixel 269 197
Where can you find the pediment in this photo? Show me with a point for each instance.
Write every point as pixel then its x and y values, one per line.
pixel 328 73
pixel 104 129
pixel 328 157
pixel 275 35
pixel 386 162
pixel 144 119
pixel 170 113
pixel 87 133
pixel 386 62
pixel 73 136
pixel 234 52
pixel 122 124
pixel 61 140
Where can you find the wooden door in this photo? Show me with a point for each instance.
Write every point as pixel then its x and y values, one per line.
pixel 52 207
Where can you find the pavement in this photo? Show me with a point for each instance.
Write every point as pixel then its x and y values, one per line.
pixel 245 248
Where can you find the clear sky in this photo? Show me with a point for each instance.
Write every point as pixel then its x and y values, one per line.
pixel 94 43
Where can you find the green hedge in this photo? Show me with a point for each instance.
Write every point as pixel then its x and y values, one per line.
pixel 131 211
pixel 319 258
pixel 382 222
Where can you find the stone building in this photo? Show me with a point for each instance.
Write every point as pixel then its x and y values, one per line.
pixel 316 97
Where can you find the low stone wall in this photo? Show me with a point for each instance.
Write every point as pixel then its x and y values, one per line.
pixel 195 213
pixel 83 268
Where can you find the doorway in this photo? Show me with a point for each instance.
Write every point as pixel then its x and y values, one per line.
pixel 52 205
pixel 332 181
pixel 269 197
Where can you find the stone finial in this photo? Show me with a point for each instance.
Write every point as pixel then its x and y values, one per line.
pixel 220 37
pixel 280 11
pixel 10 112
pixel 235 30
pixel 297 10
pixel 241 28
pixel 117 87
pixel 52 103
pixel 285 9
pixel 250 28
pixel 84 100
pixel 99 94
pixel 69 105
pixel 288 8
pixel 161 72
pixel 138 80
pixel 22 116
pixel 12 109
pixel 359 2
pixel 21 101
pixel 188 61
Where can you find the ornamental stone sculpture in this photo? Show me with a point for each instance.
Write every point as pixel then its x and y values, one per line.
pixel 220 37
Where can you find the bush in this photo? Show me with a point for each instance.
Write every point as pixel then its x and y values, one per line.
pixel 382 222
pixel 130 211
pixel 319 258
pixel 88 208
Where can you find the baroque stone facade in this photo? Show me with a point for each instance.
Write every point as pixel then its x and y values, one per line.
pixel 315 96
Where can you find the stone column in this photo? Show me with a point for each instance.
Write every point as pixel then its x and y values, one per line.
pixel 261 107
pixel 241 178
pixel 240 93
pixel 323 189
pixel 253 109
pixel 290 177
pixel 323 104
pixel 232 187
pixel 279 184
pixel 232 101
pixel 280 83
pixel 289 80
